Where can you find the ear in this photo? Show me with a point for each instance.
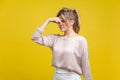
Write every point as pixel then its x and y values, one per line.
pixel 72 22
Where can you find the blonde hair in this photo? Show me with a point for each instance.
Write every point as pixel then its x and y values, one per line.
pixel 71 14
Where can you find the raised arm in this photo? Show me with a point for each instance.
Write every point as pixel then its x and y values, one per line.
pixel 37 35
pixel 44 40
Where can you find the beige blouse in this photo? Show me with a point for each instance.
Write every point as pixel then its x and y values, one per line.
pixel 67 53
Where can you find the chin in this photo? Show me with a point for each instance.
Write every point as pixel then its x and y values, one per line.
pixel 63 30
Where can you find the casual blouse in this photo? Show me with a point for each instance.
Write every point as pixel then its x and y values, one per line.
pixel 67 53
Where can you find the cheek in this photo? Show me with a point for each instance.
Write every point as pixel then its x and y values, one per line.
pixel 65 25
pixel 62 25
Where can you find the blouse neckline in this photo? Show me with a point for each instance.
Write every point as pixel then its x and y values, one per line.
pixel 70 37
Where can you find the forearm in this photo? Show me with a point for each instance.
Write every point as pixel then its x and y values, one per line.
pixel 42 27
pixel 37 35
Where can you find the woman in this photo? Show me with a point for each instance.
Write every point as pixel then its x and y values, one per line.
pixel 70 51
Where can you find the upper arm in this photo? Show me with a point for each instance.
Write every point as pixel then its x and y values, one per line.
pixel 48 40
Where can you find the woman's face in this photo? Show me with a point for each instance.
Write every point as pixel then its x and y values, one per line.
pixel 63 25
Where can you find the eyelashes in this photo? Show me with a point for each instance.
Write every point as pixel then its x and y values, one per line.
pixel 63 21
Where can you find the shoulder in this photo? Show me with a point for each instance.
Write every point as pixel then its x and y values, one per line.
pixel 82 39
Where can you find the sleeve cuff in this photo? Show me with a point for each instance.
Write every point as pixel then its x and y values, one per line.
pixel 39 29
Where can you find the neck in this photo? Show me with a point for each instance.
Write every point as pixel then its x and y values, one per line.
pixel 69 33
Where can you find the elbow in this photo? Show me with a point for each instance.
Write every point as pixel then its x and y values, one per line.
pixel 33 38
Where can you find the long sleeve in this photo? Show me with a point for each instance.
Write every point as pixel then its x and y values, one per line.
pixel 85 62
pixel 43 40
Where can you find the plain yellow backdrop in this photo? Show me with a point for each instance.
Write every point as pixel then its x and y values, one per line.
pixel 22 59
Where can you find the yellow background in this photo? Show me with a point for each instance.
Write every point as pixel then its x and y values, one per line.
pixel 22 59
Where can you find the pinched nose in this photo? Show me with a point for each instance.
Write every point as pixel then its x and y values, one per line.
pixel 60 23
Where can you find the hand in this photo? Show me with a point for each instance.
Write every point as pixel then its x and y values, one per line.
pixel 54 19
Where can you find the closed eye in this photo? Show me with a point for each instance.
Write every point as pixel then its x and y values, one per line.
pixel 63 21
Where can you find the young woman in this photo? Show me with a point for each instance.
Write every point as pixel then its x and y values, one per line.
pixel 70 51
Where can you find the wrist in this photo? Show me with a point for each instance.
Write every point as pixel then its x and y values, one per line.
pixel 48 20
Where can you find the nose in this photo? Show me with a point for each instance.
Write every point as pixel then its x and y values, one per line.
pixel 60 23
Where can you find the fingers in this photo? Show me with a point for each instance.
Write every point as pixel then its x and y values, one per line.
pixel 55 19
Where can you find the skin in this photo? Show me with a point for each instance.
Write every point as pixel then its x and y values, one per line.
pixel 65 26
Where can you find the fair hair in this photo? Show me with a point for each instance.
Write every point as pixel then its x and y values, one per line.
pixel 71 14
